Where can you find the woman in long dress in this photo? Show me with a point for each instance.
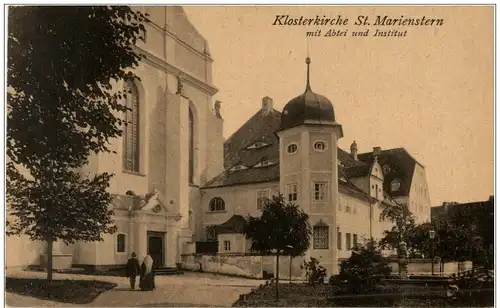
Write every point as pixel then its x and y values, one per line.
pixel 147 282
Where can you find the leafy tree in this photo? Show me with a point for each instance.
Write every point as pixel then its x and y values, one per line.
pixel 458 236
pixel 61 108
pixel 403 225
pixel 364 269
pixel 461 236
pixel 280 226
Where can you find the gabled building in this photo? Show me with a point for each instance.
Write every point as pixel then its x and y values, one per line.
pixel 295 152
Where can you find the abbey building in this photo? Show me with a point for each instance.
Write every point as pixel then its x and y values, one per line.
pixel 179 186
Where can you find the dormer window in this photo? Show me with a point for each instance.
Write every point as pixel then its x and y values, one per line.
pixel 237 168
pixel 319 146
pixel 264 163
pixel 257 145
pixel 395 184
pixel 292 148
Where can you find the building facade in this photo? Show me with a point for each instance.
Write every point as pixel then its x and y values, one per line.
pixel 174 140
pixel 295 152
pixel 178 182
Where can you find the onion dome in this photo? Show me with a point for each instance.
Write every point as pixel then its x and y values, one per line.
pixel 308 108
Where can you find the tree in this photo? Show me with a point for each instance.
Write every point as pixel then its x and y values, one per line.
pixel 403 225
pixel 61 108
pixel 280 226
pixel 464 234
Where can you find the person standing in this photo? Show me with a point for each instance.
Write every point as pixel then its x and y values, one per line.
pixel 147 282
pixel 133 270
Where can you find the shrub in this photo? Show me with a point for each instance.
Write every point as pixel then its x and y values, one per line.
pixel 315 273
pixel 364 269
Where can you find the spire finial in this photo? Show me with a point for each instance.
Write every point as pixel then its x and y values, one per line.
pixel 308 62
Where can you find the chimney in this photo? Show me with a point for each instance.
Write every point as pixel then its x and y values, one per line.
pixel 354 150
pixel 376 152
pixel 267 105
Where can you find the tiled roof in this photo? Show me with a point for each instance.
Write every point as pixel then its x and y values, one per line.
pixel 262 128
pixel 235 224
pixel 258 128
pixel 358 171
pixel 348 160
pixel 401 166
pixel 355 190
pixel 247 176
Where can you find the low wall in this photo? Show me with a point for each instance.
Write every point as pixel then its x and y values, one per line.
pixel 229 264
pixel 297 272
pixel 424 267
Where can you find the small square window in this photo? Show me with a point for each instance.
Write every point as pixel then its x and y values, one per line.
pixel 319 191
pixel 227 245
pixel 292 191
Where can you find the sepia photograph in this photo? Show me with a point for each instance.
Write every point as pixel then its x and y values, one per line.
pixel 249 155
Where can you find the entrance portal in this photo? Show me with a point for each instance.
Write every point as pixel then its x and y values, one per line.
pixel 156 249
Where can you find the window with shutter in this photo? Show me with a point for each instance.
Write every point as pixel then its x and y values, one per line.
pixel 131 131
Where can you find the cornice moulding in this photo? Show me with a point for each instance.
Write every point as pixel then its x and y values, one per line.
pixel 166 67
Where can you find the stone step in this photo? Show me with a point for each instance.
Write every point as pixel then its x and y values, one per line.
pixel 168 271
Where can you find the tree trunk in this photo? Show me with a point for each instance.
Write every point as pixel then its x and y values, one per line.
pixel 277 274
pixel 50 243
pixel 290 272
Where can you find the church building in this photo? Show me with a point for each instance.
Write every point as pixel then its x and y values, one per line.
pixel 178 182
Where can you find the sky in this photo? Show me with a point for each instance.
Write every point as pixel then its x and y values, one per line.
pixel 430 91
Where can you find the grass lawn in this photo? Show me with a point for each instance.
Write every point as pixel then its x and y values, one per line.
pixel 302 295
pixel 295 294
pixel 66 291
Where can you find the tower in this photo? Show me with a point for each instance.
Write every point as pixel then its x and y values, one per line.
pixel 308 139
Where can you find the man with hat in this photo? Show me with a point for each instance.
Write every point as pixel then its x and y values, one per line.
pixel 132 269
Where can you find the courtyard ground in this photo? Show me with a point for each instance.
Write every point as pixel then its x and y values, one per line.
pixel 188 290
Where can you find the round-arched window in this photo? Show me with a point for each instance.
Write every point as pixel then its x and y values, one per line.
pixel 319 146
pixel 292 148
pixel 217 204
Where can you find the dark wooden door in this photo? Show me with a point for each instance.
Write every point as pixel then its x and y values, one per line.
pixel 156 249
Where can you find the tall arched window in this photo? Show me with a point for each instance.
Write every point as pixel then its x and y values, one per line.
pixel 131 132
pixel 191 146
